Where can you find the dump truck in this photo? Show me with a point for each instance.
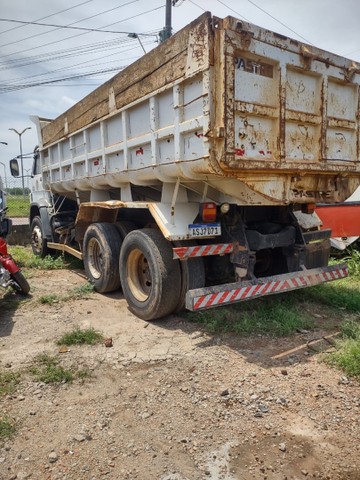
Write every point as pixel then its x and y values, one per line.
pixel 189 179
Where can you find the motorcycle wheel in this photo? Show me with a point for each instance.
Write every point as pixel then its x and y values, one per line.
pixel 19 283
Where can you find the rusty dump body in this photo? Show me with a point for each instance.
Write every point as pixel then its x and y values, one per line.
pixel 259 118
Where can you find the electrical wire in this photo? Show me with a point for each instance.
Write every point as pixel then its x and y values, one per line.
pixel 48 16
pixel 277 20
pixel 68 53
pixel 85 33
pixel 234 11
pixel 63 26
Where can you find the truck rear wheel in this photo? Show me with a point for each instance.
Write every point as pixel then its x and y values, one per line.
pixel 150 278
pixel 38 240
pixel 101 250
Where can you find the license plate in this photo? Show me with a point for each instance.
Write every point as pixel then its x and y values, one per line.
pixel 204 230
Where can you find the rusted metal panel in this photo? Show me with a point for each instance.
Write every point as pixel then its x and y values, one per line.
pixel 223 102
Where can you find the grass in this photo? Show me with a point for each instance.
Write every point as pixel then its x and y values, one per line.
pixel 19 205
pixel 277 316
pixel 7 428
pixel 8 382
pixel 26 259
pixel 88 336
pixel 347 355
pixel 82 291
pixel 48 370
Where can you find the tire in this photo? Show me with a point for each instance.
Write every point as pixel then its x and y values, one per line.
pixel 19 283
pixel 101 249
pixel 38 240
pixel 192 274
pixel 150 278
pixel 124 227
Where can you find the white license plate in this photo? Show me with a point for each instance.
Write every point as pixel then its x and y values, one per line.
pixel 204 230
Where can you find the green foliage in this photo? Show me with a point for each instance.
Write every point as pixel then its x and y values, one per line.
pixel 7 428
pixel 19 205
pixel 278 316
pixel 25 258
pixel 350 329
pixel 8 382
pixel 48 370
pixel 82 291
pixel 353 262
pixel 343 294
pixel 81 337
pixel 347 355
pixel 78 292
pixel 49 299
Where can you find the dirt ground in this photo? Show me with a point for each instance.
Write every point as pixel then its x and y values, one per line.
pixel 168 401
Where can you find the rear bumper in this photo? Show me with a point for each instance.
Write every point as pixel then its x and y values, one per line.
pixel 208 297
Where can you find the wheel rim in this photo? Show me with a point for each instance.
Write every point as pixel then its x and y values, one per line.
pixel 37 239
pixel 138 275
pixel 95 258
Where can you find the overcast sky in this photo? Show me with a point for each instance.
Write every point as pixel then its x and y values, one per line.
pixel 32 55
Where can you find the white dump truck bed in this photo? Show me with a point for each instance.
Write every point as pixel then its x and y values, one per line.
pixel 258 117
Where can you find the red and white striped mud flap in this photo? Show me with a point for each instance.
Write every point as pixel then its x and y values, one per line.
pixel 202 298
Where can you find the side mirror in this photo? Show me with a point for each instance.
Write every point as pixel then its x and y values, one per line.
pixel 14 168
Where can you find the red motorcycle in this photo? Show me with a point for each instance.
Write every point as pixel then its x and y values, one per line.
pixel 10 274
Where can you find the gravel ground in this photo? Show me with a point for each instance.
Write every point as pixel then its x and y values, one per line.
pixel 168 401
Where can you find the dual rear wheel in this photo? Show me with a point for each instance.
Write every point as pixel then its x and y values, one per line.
pixel 154 285
pixel 139 261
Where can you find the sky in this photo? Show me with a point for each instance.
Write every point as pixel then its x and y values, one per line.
pixel 45 68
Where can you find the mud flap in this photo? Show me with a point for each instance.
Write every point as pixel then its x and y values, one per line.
pixel 203 298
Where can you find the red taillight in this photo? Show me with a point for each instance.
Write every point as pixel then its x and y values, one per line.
pixel 208 212
pixel 308 208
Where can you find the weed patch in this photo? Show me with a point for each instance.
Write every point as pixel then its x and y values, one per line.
pixel 275 316
pixel 8 382
pixel 347 355
pixel 7 428
pixel 81 337
pixel 48 370
pixel 26 259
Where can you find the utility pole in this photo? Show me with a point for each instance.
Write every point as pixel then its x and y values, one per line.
pixel 166 32
pixel 21 155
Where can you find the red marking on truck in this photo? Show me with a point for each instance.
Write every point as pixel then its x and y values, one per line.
pixel 140 151
pixel 246 292
pixel 240 152
pixel 182 253
pixel 199 135
pixel 96 162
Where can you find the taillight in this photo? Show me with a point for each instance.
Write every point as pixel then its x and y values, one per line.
pixel 208 212
pixel 308 208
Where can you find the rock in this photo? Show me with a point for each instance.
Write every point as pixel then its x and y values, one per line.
pixel 284 371
pixel 53 457
pixel 80 437
pixel 108 342
pixel 282 447
pixel 23 475
pixel 224 393
pixel 2 459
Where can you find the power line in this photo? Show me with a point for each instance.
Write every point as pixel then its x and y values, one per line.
pixel 63 26
pixel 85 33
pixel 57 80
pixel 277 20
pixel 48 16
pixel 237 13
